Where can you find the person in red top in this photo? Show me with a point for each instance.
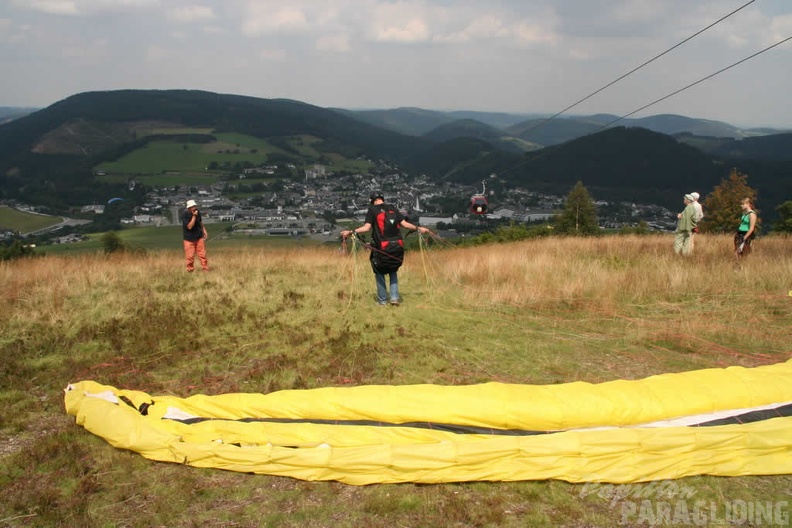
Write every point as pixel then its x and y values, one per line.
pixel 386 245
pixel 194 237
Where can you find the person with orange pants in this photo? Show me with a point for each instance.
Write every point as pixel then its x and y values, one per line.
pixel 194 237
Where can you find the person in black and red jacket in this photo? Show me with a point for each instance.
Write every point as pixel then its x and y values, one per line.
pixel 387 245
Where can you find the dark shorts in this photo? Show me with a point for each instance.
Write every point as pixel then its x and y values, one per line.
pixel 742 244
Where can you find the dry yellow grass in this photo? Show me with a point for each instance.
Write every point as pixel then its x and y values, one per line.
pixel 538 311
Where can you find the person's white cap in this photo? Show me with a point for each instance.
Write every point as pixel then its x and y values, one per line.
pixel 191 203
pixel 695 196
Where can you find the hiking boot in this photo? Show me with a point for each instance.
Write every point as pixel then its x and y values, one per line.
pixel 394 302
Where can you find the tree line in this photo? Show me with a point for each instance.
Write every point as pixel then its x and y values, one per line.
pixel 721 209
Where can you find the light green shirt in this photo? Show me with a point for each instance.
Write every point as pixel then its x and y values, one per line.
pixel 687 221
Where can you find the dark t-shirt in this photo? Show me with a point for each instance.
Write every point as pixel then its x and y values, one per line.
pixel 196 233
pixel 378 220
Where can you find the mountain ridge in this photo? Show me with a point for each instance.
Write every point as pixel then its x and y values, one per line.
pixel 458 150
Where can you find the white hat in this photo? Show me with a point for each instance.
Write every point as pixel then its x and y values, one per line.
pixel 695 196
pixel 689 198
pixel 191 203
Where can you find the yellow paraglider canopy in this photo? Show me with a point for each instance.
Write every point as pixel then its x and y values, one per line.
pixel 729 422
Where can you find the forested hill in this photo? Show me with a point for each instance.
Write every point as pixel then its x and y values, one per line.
pixel 100 125
pixel 224 113
pixel 622 163
pixel 619 163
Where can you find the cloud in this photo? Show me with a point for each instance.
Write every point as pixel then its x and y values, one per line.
pixel 485 26
pixel 528 33
pixel 415 30
pixel 537 55
pixel 80 7
pixel 338 42
pixel 780 28
pixel 96 49
pixel 404 22
pixel 265 17
pixel 272 55
pixel 157 54
pixel 191 13
pixel 637 11
pixel 52 7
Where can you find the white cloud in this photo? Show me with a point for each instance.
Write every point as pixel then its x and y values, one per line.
pixel 415 30
pixel 512 55
pixel 528 33
pixel 336 42
pixel 156 54
pixel 96 49
pixel 272 55
pixel 780 28
pixel 633 11
pixel 52 7
pixel 191 13
pixel 80 7
pixel 399 22
pixel 485 26
pixel 265 17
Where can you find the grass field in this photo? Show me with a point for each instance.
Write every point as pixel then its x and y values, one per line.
pixel 25 222
pixel 270 318
pixel 189 161
pixel 169 238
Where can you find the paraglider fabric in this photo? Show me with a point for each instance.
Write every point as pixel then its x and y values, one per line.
pixel 727 422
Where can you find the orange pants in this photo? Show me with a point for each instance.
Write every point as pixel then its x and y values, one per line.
pixel 190 249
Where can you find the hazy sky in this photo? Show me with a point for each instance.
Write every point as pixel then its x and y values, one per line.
pixel 521 56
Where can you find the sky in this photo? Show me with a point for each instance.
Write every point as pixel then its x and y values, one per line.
pixel 516 56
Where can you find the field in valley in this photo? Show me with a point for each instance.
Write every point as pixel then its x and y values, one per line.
pixel 25 222
pixel 269 318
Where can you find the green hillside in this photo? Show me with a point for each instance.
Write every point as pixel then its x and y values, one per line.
pixel 409 121
pixel 128 132
pixel 24 222
pixel 179 161
pixel 86 148
pixel 649 168
pixel 470 128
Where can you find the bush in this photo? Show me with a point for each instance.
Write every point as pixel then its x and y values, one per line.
pixel 111 242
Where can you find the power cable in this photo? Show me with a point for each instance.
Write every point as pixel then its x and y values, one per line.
pixel 544 151
pixel 699 32
pixel 695 83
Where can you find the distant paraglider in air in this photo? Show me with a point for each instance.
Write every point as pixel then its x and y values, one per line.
pixel 114 200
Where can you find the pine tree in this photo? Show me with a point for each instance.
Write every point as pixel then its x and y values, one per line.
pixel 580 213
pixel 722 206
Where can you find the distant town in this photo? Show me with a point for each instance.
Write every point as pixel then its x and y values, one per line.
pixel 314 205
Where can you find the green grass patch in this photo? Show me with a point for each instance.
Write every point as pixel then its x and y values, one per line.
pixel 167 238
pixel 166 156
pixel 25 222
pixel 276 315
pixel 173 162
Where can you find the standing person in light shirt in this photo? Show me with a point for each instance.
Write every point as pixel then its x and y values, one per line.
pixel 697 216
pixel 684 230
pixel 697 206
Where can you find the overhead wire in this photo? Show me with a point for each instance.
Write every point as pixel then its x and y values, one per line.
pixel 710 76
pixel 675 92
pixel 589 96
